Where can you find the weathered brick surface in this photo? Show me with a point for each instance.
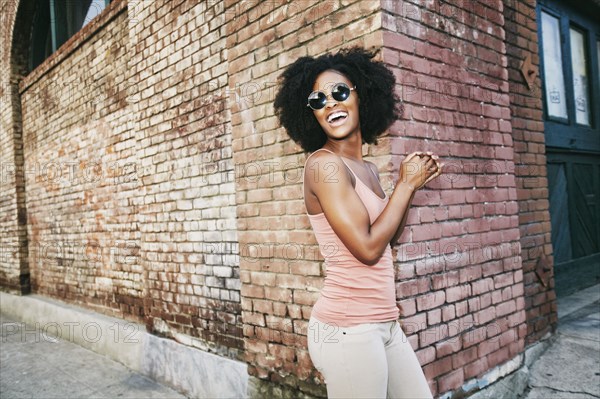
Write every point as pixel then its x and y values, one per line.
pixel 278 259
pixel 80 175
pixel 161 189
pixel 186 207
pixel 530 170
pixel 129 173
pixel 462 234
pixel 14 267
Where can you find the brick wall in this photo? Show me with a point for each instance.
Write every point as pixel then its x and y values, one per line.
pixel 14 268
pixel 460 279
pixel 161 189
pixel 530 170
pixel 9 257
pixel 279 267
pixel 188 243
pixel 82 229
pixel 129 173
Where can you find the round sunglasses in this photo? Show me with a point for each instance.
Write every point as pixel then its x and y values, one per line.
pixel 340 92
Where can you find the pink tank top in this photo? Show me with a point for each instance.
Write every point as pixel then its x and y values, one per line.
pixel 353 292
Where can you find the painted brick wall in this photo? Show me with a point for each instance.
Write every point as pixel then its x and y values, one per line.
pixel 530 170
pixel 460 280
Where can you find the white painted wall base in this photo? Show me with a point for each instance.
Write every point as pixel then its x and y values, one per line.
pixel 195 373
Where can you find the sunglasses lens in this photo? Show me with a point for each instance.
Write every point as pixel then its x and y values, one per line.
pixel 317 100
pixel 340 92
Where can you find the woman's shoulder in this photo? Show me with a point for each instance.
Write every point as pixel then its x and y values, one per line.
pixel 322 157
pixel 325 167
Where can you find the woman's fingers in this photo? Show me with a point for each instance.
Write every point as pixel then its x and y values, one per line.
pixel 427 163
pixel 433 176
pixel 436 174
pixel 411 156
pixel 430 166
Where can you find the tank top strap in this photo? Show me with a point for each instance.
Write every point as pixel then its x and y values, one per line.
pixel 374 174
pixel 358 181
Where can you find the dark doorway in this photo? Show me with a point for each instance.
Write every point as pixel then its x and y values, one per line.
pixel 569 44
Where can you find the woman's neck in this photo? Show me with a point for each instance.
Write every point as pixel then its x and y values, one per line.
pixel 350 147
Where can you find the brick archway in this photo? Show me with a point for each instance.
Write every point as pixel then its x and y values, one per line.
pixel 14 265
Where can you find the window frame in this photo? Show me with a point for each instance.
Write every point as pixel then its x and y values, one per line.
pixel 548 117
pixel 58 32
pixel 567 133
pixel 593 104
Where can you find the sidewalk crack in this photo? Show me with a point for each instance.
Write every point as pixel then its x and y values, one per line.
pixel 564 390
pixel 580 338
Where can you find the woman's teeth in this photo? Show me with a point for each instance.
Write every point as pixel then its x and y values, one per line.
pixel 337 117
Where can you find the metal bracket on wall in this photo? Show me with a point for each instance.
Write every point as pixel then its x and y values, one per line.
pixel 543 270
pixel 529 71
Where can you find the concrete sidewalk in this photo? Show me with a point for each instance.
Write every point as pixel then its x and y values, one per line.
pixel 36 365
pixel 570 367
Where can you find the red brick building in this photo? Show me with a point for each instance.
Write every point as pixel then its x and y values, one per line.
pixel 145 177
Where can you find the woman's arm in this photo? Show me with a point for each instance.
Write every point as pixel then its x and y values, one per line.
pixel 404 218
pixel 403 222
pixel 328 179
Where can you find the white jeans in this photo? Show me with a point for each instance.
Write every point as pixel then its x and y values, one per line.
pixel 372 360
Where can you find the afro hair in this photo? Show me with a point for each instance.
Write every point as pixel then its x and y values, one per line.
pixel 379 105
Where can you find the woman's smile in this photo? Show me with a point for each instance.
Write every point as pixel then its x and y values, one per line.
pixel 337 118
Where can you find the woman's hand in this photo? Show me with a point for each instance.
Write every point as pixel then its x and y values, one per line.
pixel 419 168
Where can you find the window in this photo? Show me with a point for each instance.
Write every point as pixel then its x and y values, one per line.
pixel 569 45
pixel 56 21
pixel 579 65
pixel 554 88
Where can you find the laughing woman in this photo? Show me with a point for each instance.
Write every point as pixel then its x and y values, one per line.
pixel 330 106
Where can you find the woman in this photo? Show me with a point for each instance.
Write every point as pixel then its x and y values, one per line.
pixel 331 105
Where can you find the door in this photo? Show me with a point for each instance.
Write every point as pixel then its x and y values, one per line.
pixel 569 45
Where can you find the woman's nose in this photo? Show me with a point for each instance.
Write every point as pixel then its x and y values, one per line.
pixel 330 100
